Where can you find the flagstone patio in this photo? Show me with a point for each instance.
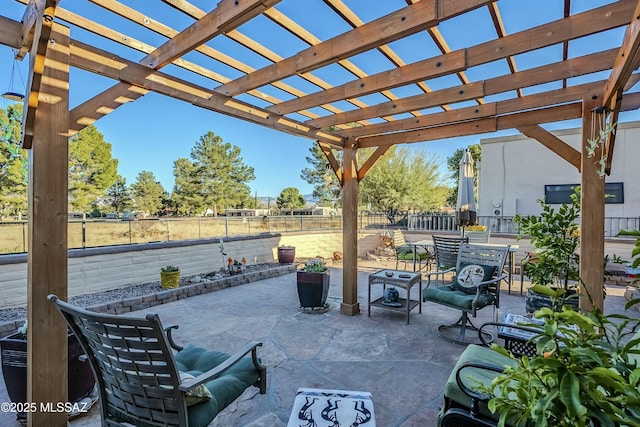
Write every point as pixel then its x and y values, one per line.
pixel 403 366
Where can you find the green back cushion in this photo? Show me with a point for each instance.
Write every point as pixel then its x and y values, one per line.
pixel 471 376
pixel 469 275
pixel 224 389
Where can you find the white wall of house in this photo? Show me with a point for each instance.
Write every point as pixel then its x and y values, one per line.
pixel 515 169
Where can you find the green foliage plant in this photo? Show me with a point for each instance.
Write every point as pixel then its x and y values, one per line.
pixel 586 372
pixel 315 266
pixel 170 269
pixel 556 237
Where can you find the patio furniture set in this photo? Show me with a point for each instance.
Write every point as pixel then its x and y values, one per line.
pixel 143 376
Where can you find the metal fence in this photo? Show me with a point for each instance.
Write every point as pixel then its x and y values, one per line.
pixel 14 236
pixel 505 224
pixel 94 233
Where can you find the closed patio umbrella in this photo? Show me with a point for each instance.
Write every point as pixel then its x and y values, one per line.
pixel 466 213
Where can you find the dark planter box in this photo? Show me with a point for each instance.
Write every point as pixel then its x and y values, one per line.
pixel 13 350
pixel 534 301
pixel 313 288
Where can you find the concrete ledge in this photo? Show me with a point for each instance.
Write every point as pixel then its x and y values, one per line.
pixel 163 296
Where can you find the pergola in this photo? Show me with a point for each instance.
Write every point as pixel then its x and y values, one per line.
pixel 439 100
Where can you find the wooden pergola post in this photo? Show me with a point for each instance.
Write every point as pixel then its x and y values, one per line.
pixel 47 257
pixel 592 217
pixel 350 304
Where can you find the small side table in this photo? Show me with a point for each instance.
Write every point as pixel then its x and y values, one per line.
pixel 318 407
pixel 399 279
pixel 517 341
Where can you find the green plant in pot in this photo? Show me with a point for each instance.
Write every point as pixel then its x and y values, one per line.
pixel 169 277
pixel 313 284
pixel 586 372
pixel 553 269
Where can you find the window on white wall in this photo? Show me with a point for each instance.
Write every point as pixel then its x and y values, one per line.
pixel 561 193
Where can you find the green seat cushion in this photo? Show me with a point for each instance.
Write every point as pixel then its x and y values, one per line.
pixel 450 295
pixel 224 389
pixel 471 376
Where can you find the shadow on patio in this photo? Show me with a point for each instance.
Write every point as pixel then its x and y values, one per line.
pixel 403 366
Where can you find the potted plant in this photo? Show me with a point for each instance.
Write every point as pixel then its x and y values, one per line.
pixel 313 284
pixel 286 254
pixel 235 266
pixel 584 373
pixel 13 350
pixel 169 277
pixel 553 269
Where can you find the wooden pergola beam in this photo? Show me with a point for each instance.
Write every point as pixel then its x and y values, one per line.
pixel 626 61
pixel 393 26
pixel 47 270
pixel 38 49
pixel 600 19
pixel 34 12
pixel 228 15
pixel 558 96
pixel 288 24
pixel 553 143
pixel 371 161
pixel 130 73
pixel 474 127
pixel 547 73
pixel 422 70
pixel 331 158
pixel 592 192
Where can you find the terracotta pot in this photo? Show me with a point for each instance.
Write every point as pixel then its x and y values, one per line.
pixel 286 254
pixel 313 288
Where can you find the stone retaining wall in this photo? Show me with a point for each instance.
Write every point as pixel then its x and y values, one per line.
pixel 127 305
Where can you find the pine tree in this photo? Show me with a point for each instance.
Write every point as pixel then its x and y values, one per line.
pixel 326 188
pixel 13 163
pixel 119 196
pixel 290 198
pixel 215 178
pixel 147 193
pixel 92 169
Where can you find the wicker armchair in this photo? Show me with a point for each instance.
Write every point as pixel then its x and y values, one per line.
pixel 142 382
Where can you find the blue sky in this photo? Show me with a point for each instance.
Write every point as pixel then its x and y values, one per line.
pixel 152 132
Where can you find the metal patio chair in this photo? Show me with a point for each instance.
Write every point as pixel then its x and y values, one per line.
pixel 446 250
pixel 142 382
pixel 479 270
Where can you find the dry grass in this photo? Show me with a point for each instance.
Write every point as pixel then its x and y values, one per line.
pixel 14 235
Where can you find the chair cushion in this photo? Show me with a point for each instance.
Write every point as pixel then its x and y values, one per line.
pixel 449 295
pixel 224 389
pixel 471 376
pixel 469 275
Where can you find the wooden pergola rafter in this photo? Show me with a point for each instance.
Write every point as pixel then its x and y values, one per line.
pixel 412 97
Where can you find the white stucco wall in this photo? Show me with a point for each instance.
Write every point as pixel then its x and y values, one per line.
pixel 515 169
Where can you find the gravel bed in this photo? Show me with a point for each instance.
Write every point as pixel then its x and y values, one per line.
pixel 86 300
